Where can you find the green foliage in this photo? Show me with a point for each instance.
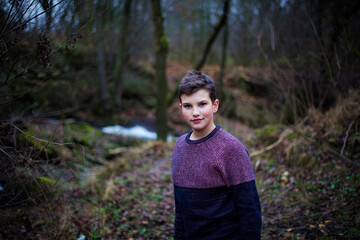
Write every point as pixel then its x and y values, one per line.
pixel 230 62
pixel 41 75
pixel 82 133
pixel 48 181
pixel 29 137
pixel 164 42
pixel 268 131
pixel 27 187
pixel 269 164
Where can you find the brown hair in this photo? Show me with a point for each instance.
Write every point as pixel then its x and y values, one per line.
pixel 194 81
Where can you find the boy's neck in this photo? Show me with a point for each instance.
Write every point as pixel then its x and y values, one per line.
pixel 196 135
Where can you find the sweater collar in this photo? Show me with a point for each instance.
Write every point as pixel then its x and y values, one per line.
pixel 212 133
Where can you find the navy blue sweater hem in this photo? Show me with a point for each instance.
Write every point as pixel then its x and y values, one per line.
pixel 218 213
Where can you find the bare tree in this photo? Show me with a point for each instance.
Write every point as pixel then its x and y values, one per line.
pixel 122 56
pixel 99 23
pixel 220 88
pixel 47 6
pixel 213 36
pixel 161 49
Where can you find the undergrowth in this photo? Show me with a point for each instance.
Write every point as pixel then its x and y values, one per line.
pixel 309 184
pixel 73 182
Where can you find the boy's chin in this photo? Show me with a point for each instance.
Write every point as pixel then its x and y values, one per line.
pixel 198 128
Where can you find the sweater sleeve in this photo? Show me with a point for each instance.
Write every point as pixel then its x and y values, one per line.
pixel 178 225
pixel 234 164
pixel 248 209
pixel 238 174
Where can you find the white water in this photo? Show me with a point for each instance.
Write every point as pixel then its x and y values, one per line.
pixel 136 131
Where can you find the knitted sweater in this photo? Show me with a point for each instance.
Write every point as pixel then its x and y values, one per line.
pixel 215 191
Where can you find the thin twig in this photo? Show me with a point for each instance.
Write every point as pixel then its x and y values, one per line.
pixel 41 140
pixel 30 19
pixel 282 137
pixel 321 45
pixel 6 154
pixel 74 36
pixel 346 137
pixel 7 18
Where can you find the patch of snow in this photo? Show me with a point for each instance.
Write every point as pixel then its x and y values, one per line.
pixel 82 237
pixel 171 138
pixel 136 131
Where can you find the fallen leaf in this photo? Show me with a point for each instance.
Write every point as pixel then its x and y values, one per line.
pixel 321 225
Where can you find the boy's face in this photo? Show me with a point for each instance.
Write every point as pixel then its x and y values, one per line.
pixel 198 111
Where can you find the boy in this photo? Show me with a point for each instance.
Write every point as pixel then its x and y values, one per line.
pixel 214 183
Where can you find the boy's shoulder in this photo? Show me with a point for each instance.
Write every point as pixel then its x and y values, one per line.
pixel 229 137
pixel 180 140
pixel 231 142
pixel 227 134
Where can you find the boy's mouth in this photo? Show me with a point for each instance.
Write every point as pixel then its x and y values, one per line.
pixel 196 120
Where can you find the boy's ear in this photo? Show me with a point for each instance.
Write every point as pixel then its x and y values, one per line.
pixel 180 105
pixel 215 105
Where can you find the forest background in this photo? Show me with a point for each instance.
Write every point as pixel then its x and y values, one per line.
pixel 287 75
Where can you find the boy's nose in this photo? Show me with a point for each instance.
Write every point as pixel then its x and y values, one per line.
pixel 195 112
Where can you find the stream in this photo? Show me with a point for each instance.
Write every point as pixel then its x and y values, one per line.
pixel 136 131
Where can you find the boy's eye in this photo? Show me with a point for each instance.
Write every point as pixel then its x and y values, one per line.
pixel 187 106
pixel 202 104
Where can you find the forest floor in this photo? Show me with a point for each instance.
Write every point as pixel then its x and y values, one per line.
pixel 131 197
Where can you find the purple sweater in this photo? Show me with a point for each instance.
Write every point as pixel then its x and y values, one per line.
pixel 217 160
pixel 215 191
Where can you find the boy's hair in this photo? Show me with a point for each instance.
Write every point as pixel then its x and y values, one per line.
pixel 194 81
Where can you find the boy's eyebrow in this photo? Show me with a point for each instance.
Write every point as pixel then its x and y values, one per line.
pixel 203 100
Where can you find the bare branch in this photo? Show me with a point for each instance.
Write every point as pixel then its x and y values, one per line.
pixel 213 36
pixel 30 19
pixel 282 137
pixel 38 139
pixel 346 137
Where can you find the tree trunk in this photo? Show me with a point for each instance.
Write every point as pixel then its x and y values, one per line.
pixel 101 64
pixel 220 87
pixel 161 48
pixel 102 76
pixel 47 6
pixel 121 58
pixel 49 17
pixel 213 36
